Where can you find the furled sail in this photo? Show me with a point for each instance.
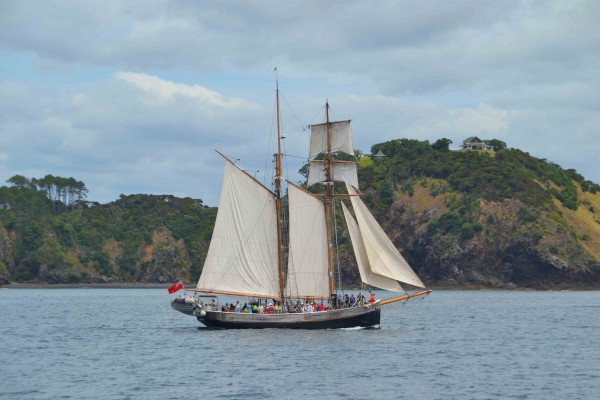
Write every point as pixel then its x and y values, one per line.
pixel 364 268
pixel 341 138
pixel 342 171
pixel 384 258
pixel 308 268
pixel 242 257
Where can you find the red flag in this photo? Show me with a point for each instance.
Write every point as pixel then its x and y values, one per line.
pixel 176 287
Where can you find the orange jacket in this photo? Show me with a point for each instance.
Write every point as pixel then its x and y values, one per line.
pixel 372 299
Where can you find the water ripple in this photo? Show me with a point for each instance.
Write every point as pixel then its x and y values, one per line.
pixel 473 345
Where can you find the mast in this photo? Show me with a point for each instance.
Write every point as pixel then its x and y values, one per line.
pixel 328 201
pixel 278 178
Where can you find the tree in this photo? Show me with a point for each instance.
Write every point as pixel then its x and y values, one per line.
pixel 304 170
pixel 495 144
pixel 20 181
pixel 387 192
pixel 33 236
pixel 442 145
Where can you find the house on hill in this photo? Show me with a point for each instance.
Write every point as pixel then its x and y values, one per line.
pixel 380 155
pixel 473 143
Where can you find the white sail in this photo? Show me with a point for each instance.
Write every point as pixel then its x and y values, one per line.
pixel 341 138
pixel 383 256
pixel 341 171
pixel 316 173
pixel 242 257
pixel 308 268
pixel 364 268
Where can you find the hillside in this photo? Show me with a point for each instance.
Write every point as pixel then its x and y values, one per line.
pixel 490 219
pixel 484 219
pixel 139 238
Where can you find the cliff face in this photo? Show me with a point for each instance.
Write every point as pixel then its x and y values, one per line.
pixel 516 246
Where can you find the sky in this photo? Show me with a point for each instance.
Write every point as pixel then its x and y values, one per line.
pixel 135 97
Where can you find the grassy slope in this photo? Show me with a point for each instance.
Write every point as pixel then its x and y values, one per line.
pixel 584 221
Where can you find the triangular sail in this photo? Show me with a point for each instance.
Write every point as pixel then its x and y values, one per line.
pixel 364 268
pixel 341 138
pixel 308 270
pixel 383 256
pixel 242 257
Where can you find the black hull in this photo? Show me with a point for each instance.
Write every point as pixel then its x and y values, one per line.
pixel 335 320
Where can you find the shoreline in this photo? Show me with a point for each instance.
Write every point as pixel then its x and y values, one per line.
pixel 129 285
pixel 133 285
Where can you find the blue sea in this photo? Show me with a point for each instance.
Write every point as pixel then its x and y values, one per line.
pixel 130 344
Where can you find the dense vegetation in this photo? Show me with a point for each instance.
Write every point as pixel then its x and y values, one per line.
pixel 48 236
pixel 506 174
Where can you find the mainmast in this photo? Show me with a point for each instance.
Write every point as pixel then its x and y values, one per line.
pixel 278 179
pixel 329 201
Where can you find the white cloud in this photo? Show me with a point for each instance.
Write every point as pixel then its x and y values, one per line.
pixel 138 133
pixel 167 90
pixel 521 71
pixel 400 46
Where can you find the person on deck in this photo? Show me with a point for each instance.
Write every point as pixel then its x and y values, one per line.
pixel 213 304
pixel 245 308
pixel 309 308
pixel 352 300
pixel 270 309
pixel 277 308
pixel 372 299
pixel 238 307
pixel 361 299
pixel 346 301
pixel 254 309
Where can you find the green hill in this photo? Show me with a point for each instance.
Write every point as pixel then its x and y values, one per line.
pixel 139 238
pixel 499 219
pixel 484 218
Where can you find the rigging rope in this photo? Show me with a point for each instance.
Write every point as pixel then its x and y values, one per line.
pixel 269 147
pixel 281 94
pixel 304 131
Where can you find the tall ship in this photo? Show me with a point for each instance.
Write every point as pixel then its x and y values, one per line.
pixel 278 251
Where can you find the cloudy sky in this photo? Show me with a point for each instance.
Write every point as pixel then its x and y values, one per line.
pixel 134 97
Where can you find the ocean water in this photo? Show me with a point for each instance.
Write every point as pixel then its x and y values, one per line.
pixel 130 344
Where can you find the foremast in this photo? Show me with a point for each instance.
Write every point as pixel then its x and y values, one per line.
pixel 328 185
pixel 278 179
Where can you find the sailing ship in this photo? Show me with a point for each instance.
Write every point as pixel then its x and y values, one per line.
pixel 252 255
